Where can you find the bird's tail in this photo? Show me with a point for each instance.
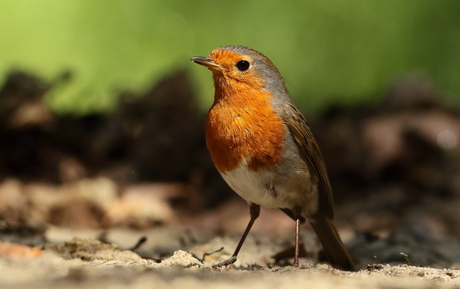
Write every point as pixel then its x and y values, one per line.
pixel 333 246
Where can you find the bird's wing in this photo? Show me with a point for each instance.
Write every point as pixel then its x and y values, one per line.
pixel 304 139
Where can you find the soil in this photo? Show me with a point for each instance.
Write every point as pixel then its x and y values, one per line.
pixel 89 263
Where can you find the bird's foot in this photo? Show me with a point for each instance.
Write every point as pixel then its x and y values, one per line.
pixel 226 263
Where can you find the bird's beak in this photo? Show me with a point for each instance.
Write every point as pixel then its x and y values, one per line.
pixel 206 61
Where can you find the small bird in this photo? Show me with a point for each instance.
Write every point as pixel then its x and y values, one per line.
pixel 263 148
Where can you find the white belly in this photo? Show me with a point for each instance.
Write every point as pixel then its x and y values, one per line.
pixel 271 189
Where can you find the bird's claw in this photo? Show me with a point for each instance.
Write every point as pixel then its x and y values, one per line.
pixel 226 263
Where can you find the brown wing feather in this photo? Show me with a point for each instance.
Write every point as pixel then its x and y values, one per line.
pixel 322 222
pixel 304 138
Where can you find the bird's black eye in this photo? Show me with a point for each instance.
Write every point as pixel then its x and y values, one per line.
pixel 243 65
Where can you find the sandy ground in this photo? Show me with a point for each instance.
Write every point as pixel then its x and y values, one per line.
pixel 417 248
pixel 88 263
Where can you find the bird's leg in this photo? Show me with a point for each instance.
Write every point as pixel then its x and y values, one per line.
pixel 297 212
pixel 297 242
pixel 254 211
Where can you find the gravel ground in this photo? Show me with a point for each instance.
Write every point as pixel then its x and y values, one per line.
pixel 89 263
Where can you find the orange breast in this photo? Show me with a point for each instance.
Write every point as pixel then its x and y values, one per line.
pixel 242 126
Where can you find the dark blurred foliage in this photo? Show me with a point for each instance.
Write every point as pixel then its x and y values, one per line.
pixel 157 136
pixel 408 140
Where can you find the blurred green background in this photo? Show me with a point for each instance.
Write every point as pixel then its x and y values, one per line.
pixel 328 51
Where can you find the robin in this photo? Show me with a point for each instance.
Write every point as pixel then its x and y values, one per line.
pixel 262 146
